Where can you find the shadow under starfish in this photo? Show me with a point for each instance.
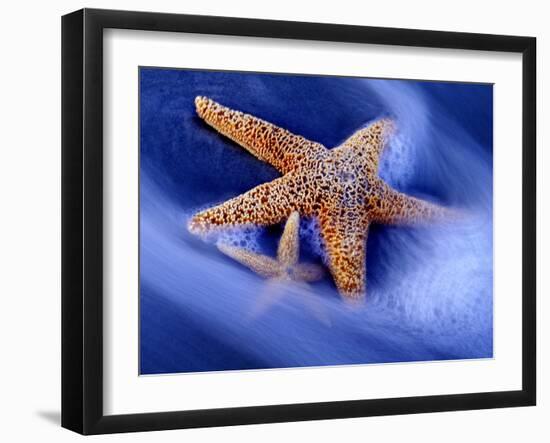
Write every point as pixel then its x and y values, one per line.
pixel 339 186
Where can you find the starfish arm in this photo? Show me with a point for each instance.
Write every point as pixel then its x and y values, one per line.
pixel 307 272
pixel 266 204
pixel 270 143
pixel 398 208
pixel 260 264
pixel 345 243
pixel 289 245
pixel 370 141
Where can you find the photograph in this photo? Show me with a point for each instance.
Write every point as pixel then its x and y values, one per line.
pixel 290 220
pixel 273 222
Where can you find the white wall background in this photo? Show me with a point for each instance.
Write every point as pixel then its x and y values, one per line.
pixel 30 205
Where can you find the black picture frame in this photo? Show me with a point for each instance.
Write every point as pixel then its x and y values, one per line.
pixel 82 218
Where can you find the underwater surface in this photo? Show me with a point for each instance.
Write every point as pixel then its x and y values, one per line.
pixel 429 288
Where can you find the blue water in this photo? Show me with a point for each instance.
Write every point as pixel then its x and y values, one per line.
pixel 429 289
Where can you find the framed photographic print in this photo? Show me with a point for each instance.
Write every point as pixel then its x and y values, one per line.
pixel 269 221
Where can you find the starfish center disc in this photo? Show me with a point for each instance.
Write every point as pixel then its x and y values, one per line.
pixel 347 177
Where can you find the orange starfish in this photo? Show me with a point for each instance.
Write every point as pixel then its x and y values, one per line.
pixel 339 186
pixel 285 267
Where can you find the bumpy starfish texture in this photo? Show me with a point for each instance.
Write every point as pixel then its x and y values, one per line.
pixel 285 267
pixel 338 186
